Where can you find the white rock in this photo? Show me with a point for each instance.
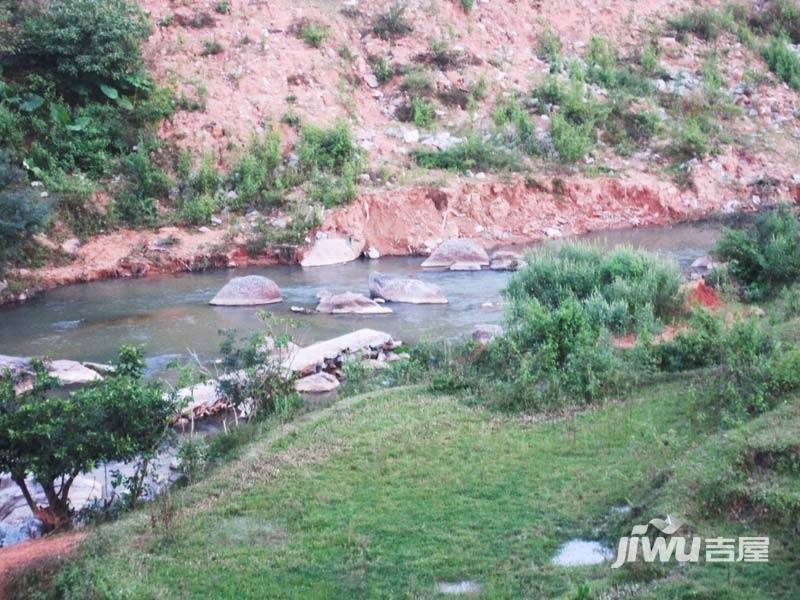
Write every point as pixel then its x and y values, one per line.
pixel 331 251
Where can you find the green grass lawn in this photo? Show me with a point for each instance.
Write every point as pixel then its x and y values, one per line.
pixel 386 495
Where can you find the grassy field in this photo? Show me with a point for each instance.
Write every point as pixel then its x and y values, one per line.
pixel 387 494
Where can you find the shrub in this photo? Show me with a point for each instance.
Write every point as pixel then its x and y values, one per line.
pixel 783 61
pixel 382 70
pixel 705 23
pixel 259 381
pixel 82 42
pixel 756 371
pixel 571 141
pixel 701 345
pixel 393 23
pixel 22 215
pixel 54 438
pixel 421 112
pixel 548 45
pixel 548 358
pixel 210 48
pixel 644 285
pixel 467 5
pixel 690 140
pixel 198 209
pixel 223 7
pixel 476 153
pixel 766 256
pixel 313 34
pixel 417 81
pixel 328 150
pixel 256 175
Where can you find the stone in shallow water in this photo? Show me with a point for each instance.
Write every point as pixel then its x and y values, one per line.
pixel 251 290
pixel 576 553
pixel 402 289
pixel 457 251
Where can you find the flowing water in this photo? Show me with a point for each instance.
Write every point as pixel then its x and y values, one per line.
pixel 170 315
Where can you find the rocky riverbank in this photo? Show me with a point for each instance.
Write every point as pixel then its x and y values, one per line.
pixel 415 221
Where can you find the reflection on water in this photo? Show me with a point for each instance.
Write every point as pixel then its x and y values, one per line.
pixel 171 315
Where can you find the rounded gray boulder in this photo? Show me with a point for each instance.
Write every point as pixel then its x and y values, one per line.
pixel 404 289
pixel 458 251
pixel 251 290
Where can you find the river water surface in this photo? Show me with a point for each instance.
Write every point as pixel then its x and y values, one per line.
pixel 170 315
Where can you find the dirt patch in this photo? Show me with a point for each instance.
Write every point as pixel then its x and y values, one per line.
pixel 35 554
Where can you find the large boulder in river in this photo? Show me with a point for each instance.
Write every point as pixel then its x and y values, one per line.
pixel 402 289
pixel 331 251
pixel 251 290
pixel 349 303
pixel 464 253
pixel 506 260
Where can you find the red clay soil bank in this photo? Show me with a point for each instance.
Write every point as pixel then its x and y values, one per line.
pixel 703 295
pixel 411 221
pixel 35 552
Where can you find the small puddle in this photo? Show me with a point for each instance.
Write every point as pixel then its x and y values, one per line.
pixel 577 553
pixel 461 588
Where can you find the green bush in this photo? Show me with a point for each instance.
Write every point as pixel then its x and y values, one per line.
pixel 382 70
pixel 328 150
pixel 765 256
pixel 571 141
pixel 198 209
pixel 783 61
pixel 84 43
pixel 476 153
pixel 417 81
pixel 756 372
pixel 705 23
pixel 467 5
pixel 640 290
pixel 313 34
pixel 75 95
pixel 548 45
pixel 256 175
pixel 701 345
pixel 690 140
pixel 547 359
pixel 210 48
pixel 421 112
pixel 393 23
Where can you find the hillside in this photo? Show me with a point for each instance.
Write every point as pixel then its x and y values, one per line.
pixel 501 121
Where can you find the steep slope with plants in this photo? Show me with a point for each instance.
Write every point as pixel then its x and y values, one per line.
pixel 167 136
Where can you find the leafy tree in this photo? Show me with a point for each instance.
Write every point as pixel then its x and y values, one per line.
pixel 54 439
pixel 82 41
